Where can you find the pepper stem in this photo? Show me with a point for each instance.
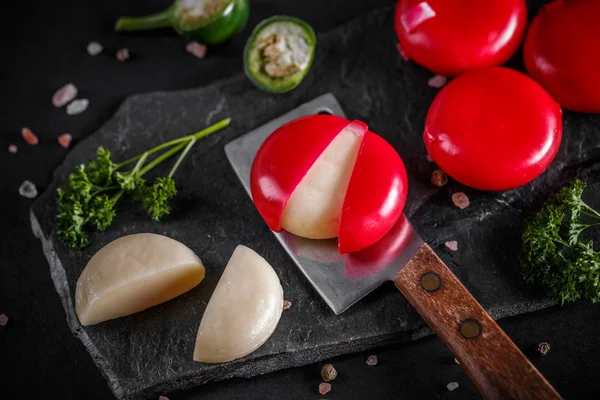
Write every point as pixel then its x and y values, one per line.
pixel 154 21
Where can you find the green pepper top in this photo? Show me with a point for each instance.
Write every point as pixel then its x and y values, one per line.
pixel 279 53
pixel 210 22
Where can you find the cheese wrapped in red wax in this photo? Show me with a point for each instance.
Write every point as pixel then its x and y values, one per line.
pixel 323 176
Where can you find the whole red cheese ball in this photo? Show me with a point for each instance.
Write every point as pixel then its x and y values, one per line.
pixel 450 37
pixel 493 129
pixel 562 53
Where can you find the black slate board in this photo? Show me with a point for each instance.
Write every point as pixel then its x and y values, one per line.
pixel 150 353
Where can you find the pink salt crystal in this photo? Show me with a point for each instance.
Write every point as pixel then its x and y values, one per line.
pixel 77 106
pixel 163 398
pixel 29 136
pixel 372 360
pixel 437 81
pixel 460 200
pixel 452 245
pixel 286 304
pixel 65 140
pixel 439 178
pixel 402 52
pixel 12 149
pixel 123 54
pixel 3 320
pixel 416 15
pixel 94 48
pixel 64 95
pixel 324 388
pixel 197 49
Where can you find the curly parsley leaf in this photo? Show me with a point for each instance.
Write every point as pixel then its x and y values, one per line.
pixel 552 254
pixel 155 198
pixel 101 168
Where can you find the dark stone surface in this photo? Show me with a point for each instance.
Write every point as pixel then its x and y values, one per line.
pixel 150 352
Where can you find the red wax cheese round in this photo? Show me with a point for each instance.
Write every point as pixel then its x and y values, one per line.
pixel 323 176
pixel 493 129
pixel 562 53
pixel 450 37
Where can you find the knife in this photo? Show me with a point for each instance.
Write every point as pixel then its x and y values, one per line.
pixel 493 362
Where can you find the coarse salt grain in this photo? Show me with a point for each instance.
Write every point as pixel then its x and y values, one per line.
pixel 543 348
pixel 286 304
pixel 65 140
pixel 372 360
pixel 460 200
pixel 3 319
pixel 64 95
pixel 416 15
pixel 29 136
pixel 163 398
pixel 94 48
pixel 429 158
pixel 402 52
pixel 456 361
pixel 439 178
pixel 328 372
pixel 437 81
pixel 12 149
pixel 324 388
pixel 77 106
pixel 452 386
pixel 452 245
pixel 197 49
pixel 28 190
pixel 123 54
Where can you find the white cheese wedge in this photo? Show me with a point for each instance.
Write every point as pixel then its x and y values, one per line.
pixel 242 312
pixel 133 273
pixel 314 208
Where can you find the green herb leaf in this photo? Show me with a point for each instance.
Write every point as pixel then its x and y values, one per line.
pixel 568 268
pixel 155 198
pixel 100 169
pixel 129 182
pixel 102 211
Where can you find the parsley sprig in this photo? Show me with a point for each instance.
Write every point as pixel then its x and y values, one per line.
pixel 553 254
pixel 89 197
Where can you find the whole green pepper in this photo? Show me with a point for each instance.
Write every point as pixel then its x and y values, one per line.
pixel 209 22
pixel 279 53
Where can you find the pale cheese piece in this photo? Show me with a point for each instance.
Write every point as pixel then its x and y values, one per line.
pixel 314 208
pixel 133 273
pixel 242 312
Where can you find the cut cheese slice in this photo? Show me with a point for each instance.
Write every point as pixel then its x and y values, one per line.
pixel 243 311
pixel 133 273
pixel 314 208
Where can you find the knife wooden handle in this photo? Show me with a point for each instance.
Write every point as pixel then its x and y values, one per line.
pixel 494 363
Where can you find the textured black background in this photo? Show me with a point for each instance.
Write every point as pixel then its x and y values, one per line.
pixel 42 48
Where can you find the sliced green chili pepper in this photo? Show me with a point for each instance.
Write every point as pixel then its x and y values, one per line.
pixel 279 53
pixel 209 22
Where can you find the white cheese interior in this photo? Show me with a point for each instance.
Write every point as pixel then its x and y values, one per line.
pixel 243 311
pixel 313 210
pixel 133 273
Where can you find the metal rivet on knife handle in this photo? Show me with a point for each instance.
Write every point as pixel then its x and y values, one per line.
pixel 470 329
pixel 431 281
